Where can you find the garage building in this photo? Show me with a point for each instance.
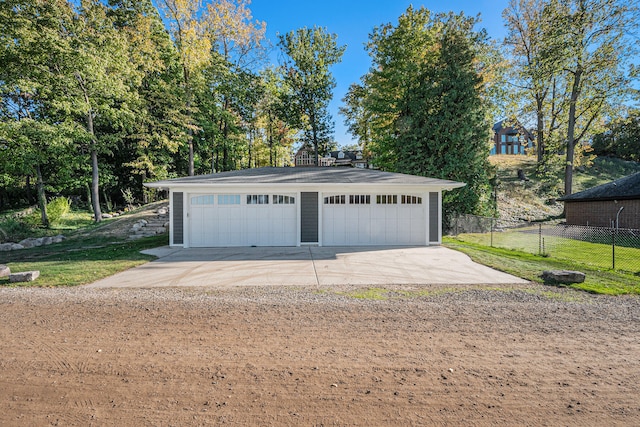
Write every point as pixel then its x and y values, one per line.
pixel 305 206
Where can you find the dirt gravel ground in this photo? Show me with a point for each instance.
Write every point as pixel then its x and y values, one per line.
pixel 515 355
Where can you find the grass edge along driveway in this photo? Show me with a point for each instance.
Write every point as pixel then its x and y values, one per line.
pixel 530 267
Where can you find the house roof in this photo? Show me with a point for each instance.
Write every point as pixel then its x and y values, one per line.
pixel 516 128
pixel 620 189
pixel 305 176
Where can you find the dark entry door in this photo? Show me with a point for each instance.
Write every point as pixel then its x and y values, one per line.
pixel 309 217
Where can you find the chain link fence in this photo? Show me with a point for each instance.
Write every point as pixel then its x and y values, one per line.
pixel 599 247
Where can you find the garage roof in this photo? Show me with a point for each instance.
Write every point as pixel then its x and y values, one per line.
pixel 621 189
pixel 305 175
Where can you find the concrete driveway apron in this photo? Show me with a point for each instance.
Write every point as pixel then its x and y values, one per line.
pixel 306 266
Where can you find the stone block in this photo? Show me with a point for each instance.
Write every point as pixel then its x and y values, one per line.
pixel 4 270
pixel 563 276
pixel 27 243
pixel 24 276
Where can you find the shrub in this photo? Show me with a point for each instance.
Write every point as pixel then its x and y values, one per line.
pixel 57 208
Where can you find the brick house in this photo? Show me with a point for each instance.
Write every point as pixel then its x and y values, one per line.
pixel 599 206
pixel 511 139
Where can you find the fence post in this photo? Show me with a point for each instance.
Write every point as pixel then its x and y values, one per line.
pixel 492 232
pixel 540 239
pixel 613 248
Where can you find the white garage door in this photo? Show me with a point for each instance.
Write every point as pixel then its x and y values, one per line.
pixel 373 219
pixel 218 220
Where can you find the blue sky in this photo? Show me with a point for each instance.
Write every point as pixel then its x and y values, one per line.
pixel 352 21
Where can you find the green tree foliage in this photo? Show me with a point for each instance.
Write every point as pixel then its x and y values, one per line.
pixel 310 53
pixel 193 45
pixel 575 59
pixel 425 103
pixel 98 95
pixel 232 87
pixel 96 83
pixel 621 138
pixel 532 73
pixel 35 140
pixel 277 135
pixel 150 148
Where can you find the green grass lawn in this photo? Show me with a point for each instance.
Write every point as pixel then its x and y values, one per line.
pixel 79 261
pixel 530 267
pixel 594 255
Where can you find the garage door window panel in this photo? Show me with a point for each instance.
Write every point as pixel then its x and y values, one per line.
pixel 359 199
pixel 279 199
pixel 202 200
pixel 335 200
pixel 411 200
pixel 257 199
pixel 229 199
pixel 387 199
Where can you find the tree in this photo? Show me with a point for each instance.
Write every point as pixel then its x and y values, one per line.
pixel 533 73
pixel 152 143
pixel 592 35
pixel 232 85
pixel 272 111
pixel 95 82
pixel 620 139
pixel 193 46
pixel 310 53
pixel 425 103
pixel 574 57
pixel 356 115
pixel 33 135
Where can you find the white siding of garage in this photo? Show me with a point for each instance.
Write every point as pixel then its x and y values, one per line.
pixel 373 223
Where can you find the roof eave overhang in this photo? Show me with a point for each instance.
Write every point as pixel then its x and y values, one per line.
pixel 601 199
pixel 447 185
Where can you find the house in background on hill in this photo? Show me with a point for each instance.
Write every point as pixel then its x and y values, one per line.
pixel 615 204
pixel 511 139
pixel 305 157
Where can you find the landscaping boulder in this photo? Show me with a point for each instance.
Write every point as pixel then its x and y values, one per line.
pixel 24 276
pixel 4 270
pixel 563 276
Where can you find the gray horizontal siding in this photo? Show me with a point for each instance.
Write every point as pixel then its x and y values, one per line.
pixel 177 216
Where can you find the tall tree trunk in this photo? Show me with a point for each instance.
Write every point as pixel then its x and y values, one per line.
pixel 29 196
pixel 314 137
pixel 95 178
pixel 250 149
pixel 540 132
pixel 270 138
pixel 571 128
pixel 42 198
pixel 187 89
pixel 145 193
pixel 191 162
